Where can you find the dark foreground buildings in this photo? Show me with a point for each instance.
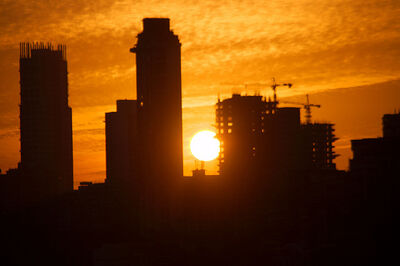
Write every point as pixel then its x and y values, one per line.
pixel 30 205
pixel 278 199
pixel 144 137
pixel 375 167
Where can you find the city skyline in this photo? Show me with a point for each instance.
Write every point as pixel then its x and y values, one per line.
pixel 278 199
pixel 346 46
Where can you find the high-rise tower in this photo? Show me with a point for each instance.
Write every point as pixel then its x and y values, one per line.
pixel 45 120
pixel 158 70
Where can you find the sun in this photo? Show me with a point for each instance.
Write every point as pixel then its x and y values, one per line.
pixel 205 146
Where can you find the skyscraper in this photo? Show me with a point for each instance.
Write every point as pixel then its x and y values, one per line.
pixel 45 120
pixel 158 70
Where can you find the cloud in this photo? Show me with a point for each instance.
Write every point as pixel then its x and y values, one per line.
pixel 8 133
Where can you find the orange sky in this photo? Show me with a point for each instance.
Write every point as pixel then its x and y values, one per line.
pixel 344 52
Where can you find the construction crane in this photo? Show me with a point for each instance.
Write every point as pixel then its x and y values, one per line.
pixel 307 106
pixel 274 86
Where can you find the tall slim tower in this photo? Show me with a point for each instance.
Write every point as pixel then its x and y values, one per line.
pixel 45 120
pixel 158 70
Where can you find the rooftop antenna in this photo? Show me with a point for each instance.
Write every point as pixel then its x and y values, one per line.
pixel 198 172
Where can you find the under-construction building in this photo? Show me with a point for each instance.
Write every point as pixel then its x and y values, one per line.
pixel 258 138
pixel 45 120
pixel 321 138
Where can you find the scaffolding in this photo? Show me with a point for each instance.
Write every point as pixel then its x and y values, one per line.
pixel 321 140
pixel 26 48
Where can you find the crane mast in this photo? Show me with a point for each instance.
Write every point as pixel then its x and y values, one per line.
pixel 307 107
pixel 274 86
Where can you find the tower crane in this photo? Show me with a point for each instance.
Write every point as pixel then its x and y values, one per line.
pixel 307 106
pixel 274 86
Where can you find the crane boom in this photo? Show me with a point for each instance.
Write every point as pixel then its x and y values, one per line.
pixel 274 86
pixel 307 106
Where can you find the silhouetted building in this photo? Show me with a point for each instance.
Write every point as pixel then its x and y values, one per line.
pixel 240 121
pixel 391 125
pixel 45 120
pixel 158 72
pixel 320 143
pixel 283 133
pixel 369 154
pixel 259 138
pixel 378 156
pixel 375 167
pixel 122 143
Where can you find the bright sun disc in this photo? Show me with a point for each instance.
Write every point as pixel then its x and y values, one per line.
pixel 205 146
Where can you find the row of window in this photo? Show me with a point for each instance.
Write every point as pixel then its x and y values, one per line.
pixel 229 131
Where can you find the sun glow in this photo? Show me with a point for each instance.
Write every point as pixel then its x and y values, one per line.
pixel 205 146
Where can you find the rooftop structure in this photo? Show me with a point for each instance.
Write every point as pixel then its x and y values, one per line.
pixel 391 125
